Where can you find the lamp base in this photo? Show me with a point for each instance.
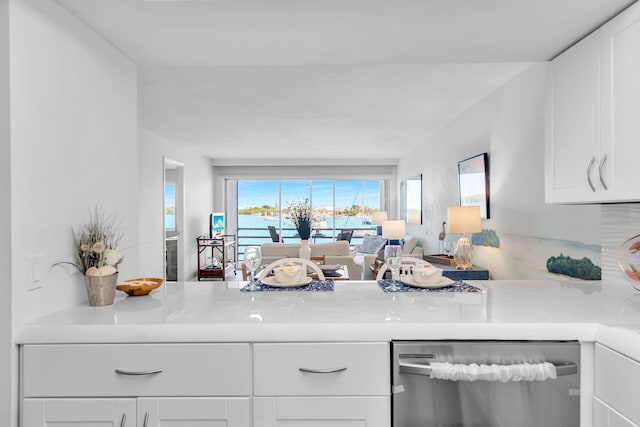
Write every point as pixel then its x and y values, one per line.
pixel 463 253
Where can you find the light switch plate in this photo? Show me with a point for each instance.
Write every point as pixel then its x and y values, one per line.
pixel 35 271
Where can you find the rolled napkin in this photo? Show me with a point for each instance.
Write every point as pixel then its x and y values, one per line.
pixel 502 373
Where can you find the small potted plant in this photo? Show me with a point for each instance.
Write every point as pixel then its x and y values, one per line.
pixel 97 256
pixel 301 217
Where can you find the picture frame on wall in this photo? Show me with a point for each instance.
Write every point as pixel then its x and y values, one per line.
pixel 473 183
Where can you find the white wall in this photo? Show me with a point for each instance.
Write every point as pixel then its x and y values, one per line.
pixel 198 196
pixel 73 147
pixel 8 381
pixel 509 125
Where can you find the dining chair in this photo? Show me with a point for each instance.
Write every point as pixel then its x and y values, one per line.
pixel 345 235
pixel 275 237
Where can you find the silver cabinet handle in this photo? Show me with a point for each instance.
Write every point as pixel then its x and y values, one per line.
pixel 149 372
pixel 322 371
pixel 593 188
pixel 124 419
pixel 146 419
pixel 602 162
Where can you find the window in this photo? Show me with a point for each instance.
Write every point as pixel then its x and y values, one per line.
pixel 170 206
pixel 336 205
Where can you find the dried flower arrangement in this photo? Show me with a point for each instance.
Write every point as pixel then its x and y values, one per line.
pixel 301 217
pixel 96 245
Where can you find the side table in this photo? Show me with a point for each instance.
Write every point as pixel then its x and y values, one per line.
pixel 452 272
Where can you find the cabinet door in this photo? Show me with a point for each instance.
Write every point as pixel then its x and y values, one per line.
pixel 79 413
pixel 194 412
pixel 322 411
pixel 621 104
pixel 604 416
pixel 572 143
pixel 616 377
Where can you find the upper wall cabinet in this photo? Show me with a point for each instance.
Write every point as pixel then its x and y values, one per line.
pixel 573 124
pixel 593 116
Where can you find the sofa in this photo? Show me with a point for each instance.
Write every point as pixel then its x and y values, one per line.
pixel 335 253
pixel 365 255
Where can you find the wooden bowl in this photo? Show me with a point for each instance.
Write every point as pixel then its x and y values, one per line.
pixel 139 287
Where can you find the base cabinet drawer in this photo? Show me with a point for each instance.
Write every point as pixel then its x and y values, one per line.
pixel 143 412
pixel 363 411
pixel 321 369
pixel 122 370
pixel 617 380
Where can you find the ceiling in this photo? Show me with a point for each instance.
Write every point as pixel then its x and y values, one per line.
pixel 326 79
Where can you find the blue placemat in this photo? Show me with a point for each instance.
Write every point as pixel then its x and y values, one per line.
pixel 313 286
pixel 458 286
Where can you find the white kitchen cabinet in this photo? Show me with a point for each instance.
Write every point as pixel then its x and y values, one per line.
pixel 136 385
pixel 620 41
pixel 79 412
pixel 196 412
pixel 616 385
pixel 370 411
pixel 605 416
pixel 143 412
pixel 321 384
pixel 593 134
pixel 573 124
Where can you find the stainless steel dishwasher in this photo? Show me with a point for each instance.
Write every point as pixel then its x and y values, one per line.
pixel 482 384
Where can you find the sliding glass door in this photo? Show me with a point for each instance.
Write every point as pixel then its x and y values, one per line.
pixel 336 205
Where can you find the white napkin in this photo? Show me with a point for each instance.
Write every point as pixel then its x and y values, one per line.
pixel 501 373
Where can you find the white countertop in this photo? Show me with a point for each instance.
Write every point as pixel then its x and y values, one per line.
pixel 354 311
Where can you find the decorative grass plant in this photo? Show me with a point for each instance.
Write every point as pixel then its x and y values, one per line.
pixel 301 217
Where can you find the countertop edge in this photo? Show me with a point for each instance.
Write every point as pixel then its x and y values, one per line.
pixel 305 332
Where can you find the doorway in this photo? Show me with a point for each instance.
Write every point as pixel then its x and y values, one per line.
pixel 173 220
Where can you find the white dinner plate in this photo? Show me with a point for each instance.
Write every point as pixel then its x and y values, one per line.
pixel 444 281
pixel 271 281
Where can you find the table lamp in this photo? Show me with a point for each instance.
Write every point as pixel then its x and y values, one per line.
pixel 377 218
pixel 394 230
pixel 464 220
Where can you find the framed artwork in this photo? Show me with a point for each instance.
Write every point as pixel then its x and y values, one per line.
pixel 473 181
pixel 411 204
pixel 216 224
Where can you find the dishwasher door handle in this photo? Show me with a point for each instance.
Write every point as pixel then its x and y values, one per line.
pixel 562 368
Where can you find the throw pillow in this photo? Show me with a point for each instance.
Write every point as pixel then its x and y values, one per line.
pixel 409 244
pixel 372 244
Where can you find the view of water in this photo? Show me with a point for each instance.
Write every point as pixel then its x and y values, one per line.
pixel 170 222
pixel 260 234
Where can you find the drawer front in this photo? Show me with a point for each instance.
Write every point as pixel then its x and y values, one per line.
pixel 615 378
pixel 319 369
pixel 90 370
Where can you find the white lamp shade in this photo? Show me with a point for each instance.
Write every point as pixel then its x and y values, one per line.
pixel 394 229
pixel 464 219
pixel 377 218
